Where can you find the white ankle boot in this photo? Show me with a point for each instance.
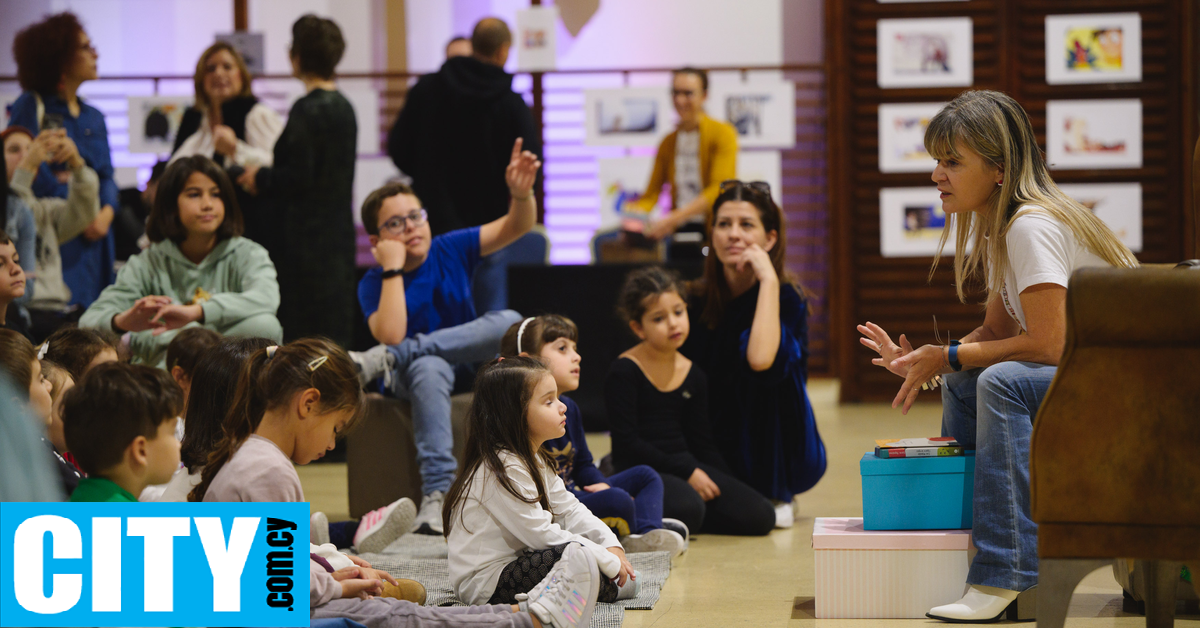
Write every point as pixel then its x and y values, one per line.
pixel 980 605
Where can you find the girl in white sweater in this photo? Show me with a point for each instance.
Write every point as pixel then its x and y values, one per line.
pixel 291 404
pixel 508 517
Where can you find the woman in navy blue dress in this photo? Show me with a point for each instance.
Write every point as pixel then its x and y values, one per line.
pixel 54 57
pixel 752 341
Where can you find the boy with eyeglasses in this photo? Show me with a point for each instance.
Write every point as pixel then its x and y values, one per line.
pixel 418 304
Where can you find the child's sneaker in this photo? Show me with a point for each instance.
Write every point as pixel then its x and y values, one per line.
pixel 660 540
pixel 566 597
pixel 372 364
pixel 677 527
pixel 318 528
pixel 409 590
pixel 380 527
pixel 633 586
pixel 429 519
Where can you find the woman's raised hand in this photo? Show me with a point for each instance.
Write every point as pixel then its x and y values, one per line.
pixel 521 172
pixel 921 366
pixel 879 341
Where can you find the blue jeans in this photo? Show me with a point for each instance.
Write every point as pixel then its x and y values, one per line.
pixel 424 375
pixel 993 408
pixel 636 498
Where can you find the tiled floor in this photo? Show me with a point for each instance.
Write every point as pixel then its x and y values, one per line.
pixel 766 582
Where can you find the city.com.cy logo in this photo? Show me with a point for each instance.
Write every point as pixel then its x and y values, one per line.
pixel 181 564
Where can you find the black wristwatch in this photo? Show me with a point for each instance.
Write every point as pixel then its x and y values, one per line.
pixel 388 274
pixel 952 356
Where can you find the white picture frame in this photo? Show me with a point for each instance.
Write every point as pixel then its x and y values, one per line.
pixel 537 39
pixel 902 136
pixel 1119 205
pixel 925 52
pixel 622 180
pixel 911 222
pixel 763 112
pixel 154 122
pixel 628 116
pixel 1085 134
pixel 1093 48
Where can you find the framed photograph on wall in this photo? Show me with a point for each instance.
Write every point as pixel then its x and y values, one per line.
pixel 1119 205
pixel 1094 133
pixel 1094 48
pixel 763 112
pixel 902 136
pixel 762 165
pixel 911 222
pixel 154 121
pixel 622 181
pixel 925 52
pixel 630 116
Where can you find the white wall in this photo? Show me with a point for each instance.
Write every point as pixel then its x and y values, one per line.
pixel 167 36
pixel 622 33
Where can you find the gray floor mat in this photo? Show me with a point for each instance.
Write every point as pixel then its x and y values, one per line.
pixel 423 558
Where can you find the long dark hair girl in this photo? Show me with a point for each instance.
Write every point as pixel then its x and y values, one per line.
pixel 498 421
pixel 270 379
pixel 214 382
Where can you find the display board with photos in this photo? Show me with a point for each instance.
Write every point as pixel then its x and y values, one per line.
pixel 1106 92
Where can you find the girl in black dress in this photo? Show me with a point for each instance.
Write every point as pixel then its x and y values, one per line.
pixel 311 186
pixel 657 404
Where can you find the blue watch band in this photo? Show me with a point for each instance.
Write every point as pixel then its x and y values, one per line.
pixel 952 356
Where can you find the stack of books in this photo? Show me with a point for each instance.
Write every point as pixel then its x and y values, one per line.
pixel 917 447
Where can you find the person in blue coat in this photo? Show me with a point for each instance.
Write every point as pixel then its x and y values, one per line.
pixel 752 341
pixel 54 57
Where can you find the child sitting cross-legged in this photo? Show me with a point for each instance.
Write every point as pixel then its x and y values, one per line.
pixel 119 422
pixel 509 519
pixel 290 405
pixel 629 502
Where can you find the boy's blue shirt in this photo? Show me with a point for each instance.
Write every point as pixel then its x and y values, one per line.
pixel 438 293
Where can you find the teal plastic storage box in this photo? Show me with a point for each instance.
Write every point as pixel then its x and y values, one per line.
pixel 917 493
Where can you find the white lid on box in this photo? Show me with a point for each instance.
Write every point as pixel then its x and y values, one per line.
pixel 848 533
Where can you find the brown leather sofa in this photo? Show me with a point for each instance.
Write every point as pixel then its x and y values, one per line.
pixel 381 455
pixel 1114 465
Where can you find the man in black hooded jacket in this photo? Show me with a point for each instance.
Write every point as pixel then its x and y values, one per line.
pixel 455 134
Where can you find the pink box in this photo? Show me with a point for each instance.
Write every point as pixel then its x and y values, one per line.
pixel 862 574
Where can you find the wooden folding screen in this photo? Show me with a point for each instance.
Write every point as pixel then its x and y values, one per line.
pixel 1009 55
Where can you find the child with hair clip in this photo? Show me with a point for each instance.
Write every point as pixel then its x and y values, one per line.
pixel 657 404
pixel 290 404
pixel 629 502
pixel 78 350
pixel 19 359
pixel 215 378
pixel 509 519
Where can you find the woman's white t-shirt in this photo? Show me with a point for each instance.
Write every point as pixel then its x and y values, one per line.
pixel 1040 250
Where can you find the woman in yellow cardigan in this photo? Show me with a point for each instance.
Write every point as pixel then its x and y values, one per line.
pixel 694 159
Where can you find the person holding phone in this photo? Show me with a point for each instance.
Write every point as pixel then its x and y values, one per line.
pixel 54 57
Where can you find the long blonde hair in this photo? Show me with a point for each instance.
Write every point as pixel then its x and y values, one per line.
pixel 993 125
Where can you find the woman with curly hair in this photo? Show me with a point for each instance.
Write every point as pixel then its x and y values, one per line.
pixel 54 57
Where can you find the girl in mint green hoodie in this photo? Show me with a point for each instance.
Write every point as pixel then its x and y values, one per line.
pixel 198 271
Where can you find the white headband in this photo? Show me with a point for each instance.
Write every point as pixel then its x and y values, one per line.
pixel 521 332
pixel 43 349
pixel 271 351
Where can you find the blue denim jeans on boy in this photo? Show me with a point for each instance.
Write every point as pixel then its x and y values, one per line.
pixel 425 375
pixel 993 408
